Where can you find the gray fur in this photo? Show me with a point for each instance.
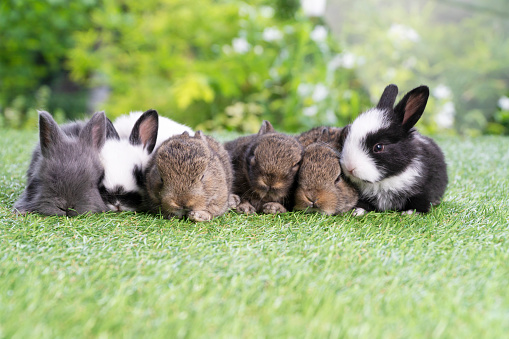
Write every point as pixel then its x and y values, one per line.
pixel 65 169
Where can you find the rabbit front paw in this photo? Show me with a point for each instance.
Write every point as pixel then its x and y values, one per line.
pixel 246 208
pixel 199 216
pixel 233 201
pixel 273 208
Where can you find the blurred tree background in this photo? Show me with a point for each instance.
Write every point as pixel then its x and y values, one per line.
pixel 217 64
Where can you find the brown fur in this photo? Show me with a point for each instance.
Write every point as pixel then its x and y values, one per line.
pixel 330 135
pixel 320 185
pixel 265 167
pixel 191 176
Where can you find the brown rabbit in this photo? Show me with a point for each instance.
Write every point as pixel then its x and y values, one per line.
pixel 332 136
pixel 265 166
pixel 320 185
pixel 191 176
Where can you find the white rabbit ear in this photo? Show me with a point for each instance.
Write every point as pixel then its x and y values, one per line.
pixel 409 110
pixel 145 129
pixel 94 132
pixel 265 128
pixel 388 97
pixel 50 134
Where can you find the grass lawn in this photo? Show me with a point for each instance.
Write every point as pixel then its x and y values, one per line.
pixel 444 274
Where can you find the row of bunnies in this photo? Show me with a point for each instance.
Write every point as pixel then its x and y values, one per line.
pixel 145 162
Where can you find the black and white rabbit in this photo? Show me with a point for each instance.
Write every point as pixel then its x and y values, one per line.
pixel 131 141
pixel 124 161
pixel 65 169
pixel 394 167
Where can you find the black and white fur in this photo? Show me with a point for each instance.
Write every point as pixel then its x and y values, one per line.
pixel 124 161
pixel 393 166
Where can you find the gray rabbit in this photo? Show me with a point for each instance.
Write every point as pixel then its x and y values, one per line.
pixel 65 169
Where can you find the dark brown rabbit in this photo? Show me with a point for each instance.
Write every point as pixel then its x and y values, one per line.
pixel 320 185
pixel 332 136
pixel 190 176
pixel 265 167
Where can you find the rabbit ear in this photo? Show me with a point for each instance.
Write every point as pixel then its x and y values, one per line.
pixel 324 135
pixel 111 132
pixel 185 134
pixel 144 131
pixel 50 133
pixel 94 132
pixel 388 97
pixel 409 110
pixel 265 128
pixel 200 135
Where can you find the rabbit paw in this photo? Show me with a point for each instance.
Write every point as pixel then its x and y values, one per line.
pixel 246 208
pixel 199 216
pixel 273 208
pixel 410 212
pixel 359 212
pixel 233 201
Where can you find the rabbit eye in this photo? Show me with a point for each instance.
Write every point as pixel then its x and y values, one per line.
pixel 378 148
pixel 338 179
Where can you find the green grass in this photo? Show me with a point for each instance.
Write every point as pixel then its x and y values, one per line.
pixel 440 275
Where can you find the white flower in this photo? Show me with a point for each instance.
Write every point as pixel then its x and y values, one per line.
pixel 313 7
pixel 319 34
pixel 304 89
pixel 348 60
pixel 402 32
pixel 272 34
pixel 240 45
pixel 503 103
pixel 442 92
pixel 320 93
pixel 310 111
pixel 267 12
pixel 445 117
pixel 335 63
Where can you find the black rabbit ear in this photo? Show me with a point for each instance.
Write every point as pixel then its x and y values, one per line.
pixel 145 130
pixel 111 132
pixel 388 97
pixel 94 132
pixel 409 110
pixel 50 133
pixel 265 128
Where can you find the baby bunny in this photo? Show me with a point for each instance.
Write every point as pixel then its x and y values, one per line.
pixel 265 166
pixel 125 161
pixel 321 187
pixel 332 136
pixel 394 167
pixel 167 127
pixel 65 169
pixel 191 176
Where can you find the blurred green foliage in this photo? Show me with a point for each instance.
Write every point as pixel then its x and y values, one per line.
pixel 36 37
pixel 217 64
pixel 228 64
pixel 458 48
